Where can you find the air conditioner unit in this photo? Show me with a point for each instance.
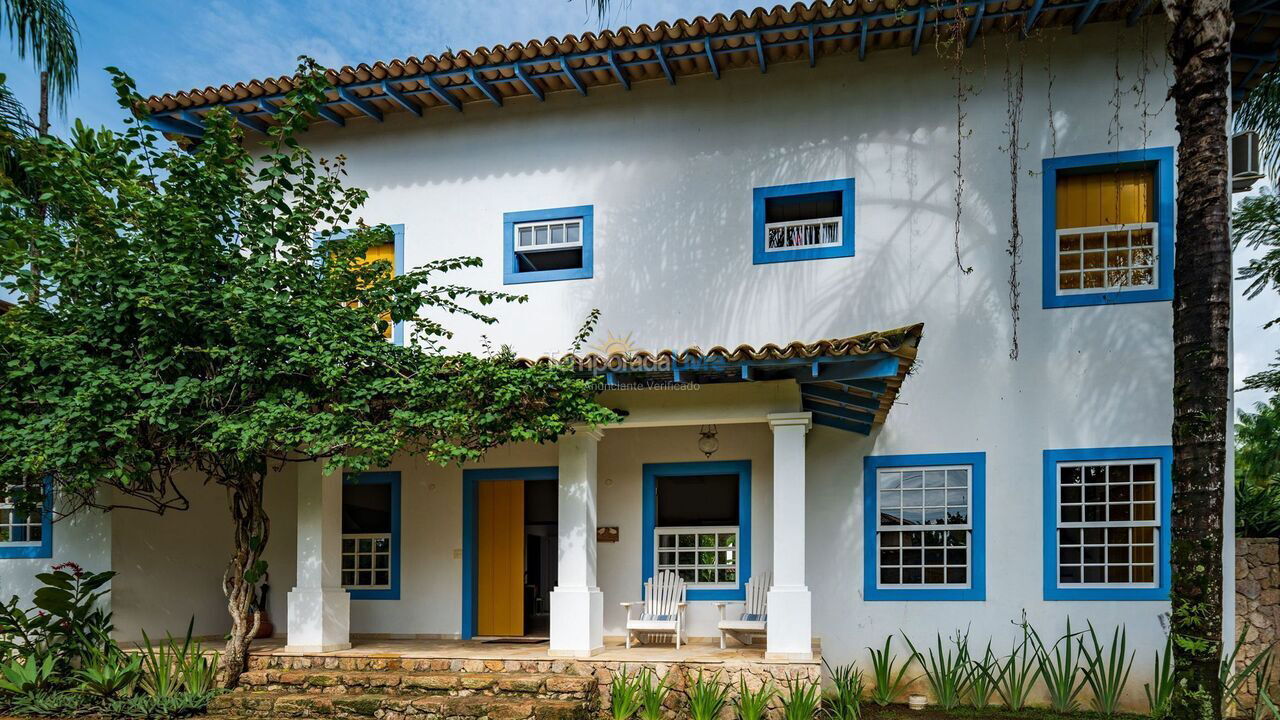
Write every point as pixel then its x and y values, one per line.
pixel 1245 164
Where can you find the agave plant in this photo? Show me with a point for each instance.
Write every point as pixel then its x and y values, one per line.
pixel 707 697
pixel 846 702
pixel 1107 674
pixel 1060 668
pixel 624 695
pixel 888 677
pixel 802 701
pixel 1160 689
pixel 751 704
pixel 947 671
pixel 652 692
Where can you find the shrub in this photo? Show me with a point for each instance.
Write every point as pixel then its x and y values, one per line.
pixel 652 692
pixel 802 701
pixel 707 697
pixel 1060 668
pixel 1107 674
pixel 1257 509
pixel 888 683
pixel 624 695
pixel 946 671
pixel 846 702
pixel 751 704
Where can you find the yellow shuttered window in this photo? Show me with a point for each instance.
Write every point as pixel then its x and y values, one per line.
pixel 385 252
pixel 1107 231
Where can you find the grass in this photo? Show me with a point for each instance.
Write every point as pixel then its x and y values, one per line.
pixel 902 712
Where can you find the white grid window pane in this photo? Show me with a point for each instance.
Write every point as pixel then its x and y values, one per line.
pixel 1108 523
pixel 18 529
pixel 1107 258
pixel 366 561
pixel 548 235
pixel 704 557
pixel 797 234
pixel 923 531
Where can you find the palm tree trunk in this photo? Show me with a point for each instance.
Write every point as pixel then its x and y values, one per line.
pixel 1199 45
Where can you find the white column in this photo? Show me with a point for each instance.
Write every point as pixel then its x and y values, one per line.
pixel 319 609
pixel 577 605
pixel 790 629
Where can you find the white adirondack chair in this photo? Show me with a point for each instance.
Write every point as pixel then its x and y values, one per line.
pixel 754 618
pixel 663 611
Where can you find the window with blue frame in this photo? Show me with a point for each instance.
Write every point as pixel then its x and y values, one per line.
pixel 1107 515
pixel 26 523
pixel 393 254
pixel 1108 228
pixel 544 245
pixel 371 535
pixel 925 527
pixel 697 524
pixel 805 221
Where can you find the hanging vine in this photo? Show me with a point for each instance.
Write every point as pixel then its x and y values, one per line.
pixel 1013 87
pixel 949 41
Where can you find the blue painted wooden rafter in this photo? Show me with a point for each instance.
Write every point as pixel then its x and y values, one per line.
pixel 390 91
pixel 359 103
pixel 533 87
pixel 567 66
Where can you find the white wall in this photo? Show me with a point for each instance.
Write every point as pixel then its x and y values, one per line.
pixel 83 538
pixel 670 173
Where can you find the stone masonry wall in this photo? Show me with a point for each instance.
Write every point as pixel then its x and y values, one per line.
pixel 1257 607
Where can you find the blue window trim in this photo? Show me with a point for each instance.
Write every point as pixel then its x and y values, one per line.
pixel 470 501
pixel 510 274
pixel 977 590
pixel 391 478
pixel 742 468
pixel 759 256
pixel 45 548
pixel 397 331
pixel 1163 453
pixel 1161 160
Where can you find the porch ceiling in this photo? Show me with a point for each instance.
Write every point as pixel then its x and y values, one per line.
pixel 847 383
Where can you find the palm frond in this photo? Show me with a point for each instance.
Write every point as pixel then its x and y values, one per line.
pixel 13 116
pixel 45 30
pixel 1260 112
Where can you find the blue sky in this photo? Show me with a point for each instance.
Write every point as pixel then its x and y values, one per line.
pixel 169 45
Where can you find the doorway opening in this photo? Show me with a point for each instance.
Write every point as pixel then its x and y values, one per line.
pixel 510 552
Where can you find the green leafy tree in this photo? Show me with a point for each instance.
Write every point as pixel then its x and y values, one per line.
pixel 1258 443
pixel 208 311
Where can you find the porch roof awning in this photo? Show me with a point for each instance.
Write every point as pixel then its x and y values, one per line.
pixel 847 383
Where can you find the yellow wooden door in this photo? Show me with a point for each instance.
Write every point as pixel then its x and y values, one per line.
pixel 500 558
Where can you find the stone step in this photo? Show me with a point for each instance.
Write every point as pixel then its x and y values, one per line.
pixel 338 682
pixel 261 704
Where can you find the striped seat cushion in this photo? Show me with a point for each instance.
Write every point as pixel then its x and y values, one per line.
pixel 755 617
pixel 656 617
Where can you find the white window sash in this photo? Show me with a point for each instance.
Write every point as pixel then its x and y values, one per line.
pixel 966 527
pixel 659 532
pixel 23 543
pixel 371 570
pixel 549 247
pixel 1154 227
pixel 1109 524
pixel 819 222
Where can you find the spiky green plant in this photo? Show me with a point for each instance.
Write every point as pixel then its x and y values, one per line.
pixel 888 680
pixel 946 670
pixel 652 692
pixel 751 704
pixel 1160 689
pixel 846 702
pixel 1107 674
pixel 708 697
pixel 1060 668
pixel 624 694
pixel 985 674
pixel 1019 671
pixel 802 701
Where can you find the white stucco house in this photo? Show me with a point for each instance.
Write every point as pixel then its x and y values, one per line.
pixel 808 330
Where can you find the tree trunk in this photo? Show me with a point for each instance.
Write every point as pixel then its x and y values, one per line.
pixel 1199 45
pixel 240 581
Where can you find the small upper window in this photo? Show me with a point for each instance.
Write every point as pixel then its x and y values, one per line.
pixel 370 535
pixel 1108 234
pixel 548 244
pixel 26 533
pixel 803 222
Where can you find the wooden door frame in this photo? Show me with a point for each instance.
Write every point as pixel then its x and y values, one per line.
pixel 470 529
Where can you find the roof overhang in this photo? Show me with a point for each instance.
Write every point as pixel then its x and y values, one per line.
pixel 847 383
pixel 667 52
pixel 1255 45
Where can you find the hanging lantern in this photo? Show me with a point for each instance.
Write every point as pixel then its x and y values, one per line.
pixel 707 441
